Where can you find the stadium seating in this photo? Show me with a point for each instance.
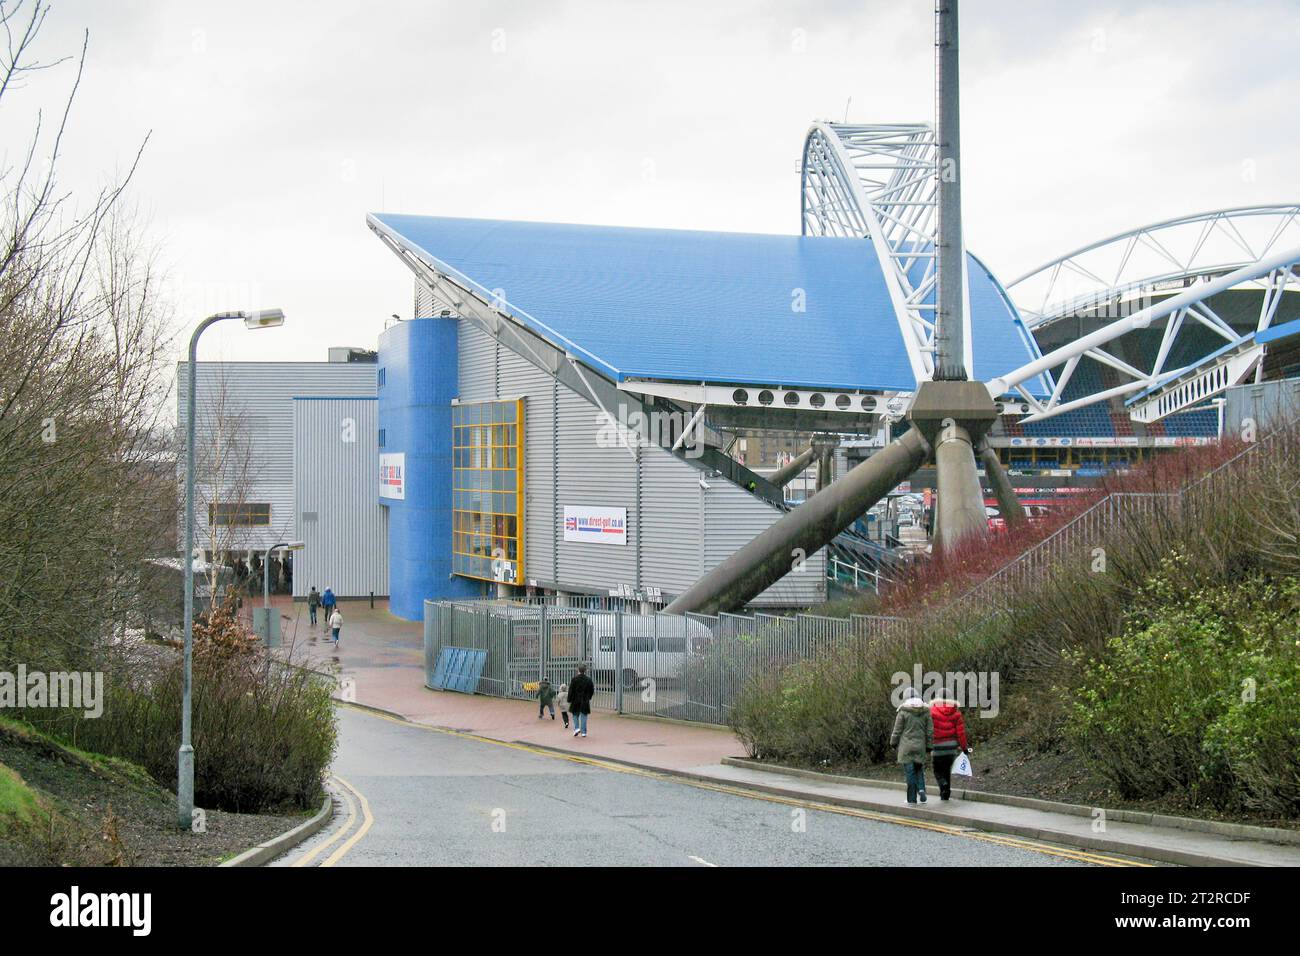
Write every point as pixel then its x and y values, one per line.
pixel 1198 423
pixel 1091 421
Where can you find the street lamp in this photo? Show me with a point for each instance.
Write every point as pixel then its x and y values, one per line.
pixel 266 580
pixel 260 319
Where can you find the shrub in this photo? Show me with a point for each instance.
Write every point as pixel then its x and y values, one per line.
pixel 1260 738
pixel 838 707
pixel 1193 695
pixel 264 731
pixel 1151 723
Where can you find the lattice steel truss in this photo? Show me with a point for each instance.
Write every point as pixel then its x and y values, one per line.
pixel 1152 258
pixel 1274 273
pixel 1166 272
pixel 880 182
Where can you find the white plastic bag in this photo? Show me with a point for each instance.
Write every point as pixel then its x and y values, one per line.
pixel 961 766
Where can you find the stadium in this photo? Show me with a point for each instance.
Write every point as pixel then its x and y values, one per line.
pixel 613 411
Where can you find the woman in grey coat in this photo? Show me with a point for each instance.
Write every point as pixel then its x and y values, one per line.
pixel 914 737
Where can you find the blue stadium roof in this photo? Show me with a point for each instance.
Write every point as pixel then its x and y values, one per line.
pixel 712 307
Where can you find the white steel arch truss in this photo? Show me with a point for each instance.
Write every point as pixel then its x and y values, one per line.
pixel 1123 274
pixel 880 182
pixel 1192 383
pixel 1151 259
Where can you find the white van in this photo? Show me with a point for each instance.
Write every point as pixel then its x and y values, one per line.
pixel 662 659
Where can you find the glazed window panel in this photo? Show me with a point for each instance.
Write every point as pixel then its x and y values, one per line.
pixel 487 486
pixel 239 515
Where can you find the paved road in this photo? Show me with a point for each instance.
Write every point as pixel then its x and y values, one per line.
pixel 411 795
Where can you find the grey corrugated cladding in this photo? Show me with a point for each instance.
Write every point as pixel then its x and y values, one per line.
pixel 677 529
pixel 335 480
pixel 262 393
pixel 1267 405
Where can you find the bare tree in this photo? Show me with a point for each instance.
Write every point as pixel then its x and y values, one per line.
pixel 225 472
pixel 81 348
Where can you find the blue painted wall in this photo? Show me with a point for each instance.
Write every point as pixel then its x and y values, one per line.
pixel 418 363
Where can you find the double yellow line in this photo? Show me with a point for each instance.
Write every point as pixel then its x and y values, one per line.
pixel 348 792
pixel 1081 856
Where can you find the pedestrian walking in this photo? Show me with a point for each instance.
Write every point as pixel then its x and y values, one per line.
pixel 581 690
pixel 914 737
pixel 336 625
pixel 327 602
pixel 546 698
pixel 949 741
pixel 562 702
pixel 313 602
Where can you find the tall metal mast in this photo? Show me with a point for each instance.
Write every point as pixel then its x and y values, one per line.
pixel 950 414
pixel 950 332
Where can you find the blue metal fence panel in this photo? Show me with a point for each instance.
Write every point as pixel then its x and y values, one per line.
pixel 439 679
pixel 458 669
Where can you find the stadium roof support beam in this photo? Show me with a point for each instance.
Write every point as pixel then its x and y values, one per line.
pixel 785 544
pixel 795 466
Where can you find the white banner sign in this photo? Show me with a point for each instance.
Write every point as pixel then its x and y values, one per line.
pixel 595 525
pixel 1119 441
pixel 392 475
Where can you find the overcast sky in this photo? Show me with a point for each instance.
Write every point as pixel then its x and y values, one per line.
pixel 276 126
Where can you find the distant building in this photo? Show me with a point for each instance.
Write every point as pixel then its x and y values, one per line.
pixel 288 451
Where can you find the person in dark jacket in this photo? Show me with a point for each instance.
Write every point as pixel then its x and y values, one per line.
pixel 545 698
pixel 914 737
pixel 581 690
pixel 327 603
pixel 313 602
pixel 949 741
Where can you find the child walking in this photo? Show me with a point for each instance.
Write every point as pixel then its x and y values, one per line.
pixel 546 698
pixel 336 625
pixel 562 701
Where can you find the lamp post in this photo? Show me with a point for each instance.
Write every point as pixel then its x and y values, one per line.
pixel 261 319
pixel 266 579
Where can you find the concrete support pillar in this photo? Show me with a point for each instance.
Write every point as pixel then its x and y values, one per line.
pixel 955 416
pixel 959 513
pixel 1008 503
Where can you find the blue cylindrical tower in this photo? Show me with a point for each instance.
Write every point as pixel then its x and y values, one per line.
pixel 417 382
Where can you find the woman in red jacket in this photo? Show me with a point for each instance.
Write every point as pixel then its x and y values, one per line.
pixel 949 740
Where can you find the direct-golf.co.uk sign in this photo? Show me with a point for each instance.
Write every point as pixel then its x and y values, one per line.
pixel 595 525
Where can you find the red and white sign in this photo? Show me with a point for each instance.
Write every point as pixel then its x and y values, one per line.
pixel 595 525
pixel 392 475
